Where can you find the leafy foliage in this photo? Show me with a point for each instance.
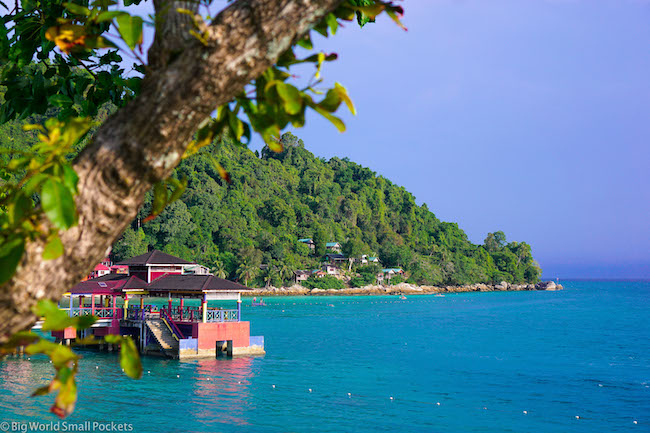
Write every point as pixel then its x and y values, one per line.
pixel 324 283
pixel 277 198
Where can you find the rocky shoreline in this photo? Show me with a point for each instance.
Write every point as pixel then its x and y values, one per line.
pixel 402 288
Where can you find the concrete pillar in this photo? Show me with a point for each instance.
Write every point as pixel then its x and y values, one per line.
pixel 141 302
pixel 204 309
pixel 92 304
pixel 239 310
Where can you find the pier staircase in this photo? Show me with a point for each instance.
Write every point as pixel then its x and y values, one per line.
pixel 164 337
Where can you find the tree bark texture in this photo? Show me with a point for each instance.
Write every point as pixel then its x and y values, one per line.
pixel 144 141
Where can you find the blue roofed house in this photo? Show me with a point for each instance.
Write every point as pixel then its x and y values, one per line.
pixel 333 247
pixel 309 242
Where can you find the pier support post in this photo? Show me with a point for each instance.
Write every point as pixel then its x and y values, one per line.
pixel 204 309
pixel 239 310
pixel 126 305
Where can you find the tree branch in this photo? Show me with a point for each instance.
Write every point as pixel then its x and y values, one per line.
pixel 144 141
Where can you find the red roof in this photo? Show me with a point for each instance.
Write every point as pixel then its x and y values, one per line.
pixel 155 257
pixel 111 284
pixel 101 267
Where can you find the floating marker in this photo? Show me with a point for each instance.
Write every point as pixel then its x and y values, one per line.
pixel 97 366
pixel 273 386
pixel 148 371
pixel 634 422
pixel 391 398
pixel 178 375
pixel 600 385
pixel 349 395
pixel 525 412
pixel 438 403
pixel 310 391
pixel 208 378
pixel 484 408
pixel 577 417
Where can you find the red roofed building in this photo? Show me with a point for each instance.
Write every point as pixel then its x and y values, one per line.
pixel 155 264
pixel 99 271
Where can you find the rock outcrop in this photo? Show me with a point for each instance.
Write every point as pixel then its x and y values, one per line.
pixel 401 288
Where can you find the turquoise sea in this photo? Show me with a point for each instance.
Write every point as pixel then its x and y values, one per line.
pixel 577 360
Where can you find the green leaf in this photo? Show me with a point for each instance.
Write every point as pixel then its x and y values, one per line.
pixel 332 23
pixel 130 359
pixel 159 198
pixel 70 178
pixel 60 101
pixel 130 27
pixel 290 96
pixel 343 94
pixel 9 261
pixel 19 208
pixel 108 16
pixel 180 186
pixel 53 249
pixel 77 9
pixel 58 204
pixel 329 116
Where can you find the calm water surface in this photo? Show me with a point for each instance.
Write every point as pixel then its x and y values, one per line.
pixel 459 363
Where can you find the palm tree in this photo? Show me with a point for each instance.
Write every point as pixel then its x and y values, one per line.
pixel 284 271
pixel 219 269
pixel 269 275
pixel 246 271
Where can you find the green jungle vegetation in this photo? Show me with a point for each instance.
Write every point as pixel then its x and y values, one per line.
pixel 274 199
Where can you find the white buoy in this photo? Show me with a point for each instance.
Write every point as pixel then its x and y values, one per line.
pixel 600 385
pixel 634 422
pixel 577 417
pixel 349 394
pixel 148 371
pixel 97 367
pixel 208 378
pixel 484 408
pixel 525 412
pixel 273 386
pixel 178 375
pixel 438 403
pixel 391 398
pixel 309 389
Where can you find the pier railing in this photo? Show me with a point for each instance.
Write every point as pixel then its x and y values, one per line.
pixel 137 313
pixel 171 325
pixel 184 314
pixel 215 315
pixel 99 312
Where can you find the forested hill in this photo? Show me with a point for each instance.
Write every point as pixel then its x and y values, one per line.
pixel 274 200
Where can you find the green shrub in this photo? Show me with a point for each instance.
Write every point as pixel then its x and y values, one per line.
pixel 327 282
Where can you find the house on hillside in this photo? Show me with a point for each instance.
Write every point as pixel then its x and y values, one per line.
pixel 366 260
pixel 300 275
pixel 333 247
pixel 309 242
pixel 318 273
pixel 331 269
pixel 335 259
pixel 388 273
pixel 197 270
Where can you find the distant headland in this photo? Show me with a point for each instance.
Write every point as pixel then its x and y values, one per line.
pixel 402 288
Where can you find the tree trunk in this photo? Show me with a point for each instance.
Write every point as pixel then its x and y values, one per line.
pixel 144 141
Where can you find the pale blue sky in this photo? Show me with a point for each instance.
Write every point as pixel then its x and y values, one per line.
pixel 527 116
